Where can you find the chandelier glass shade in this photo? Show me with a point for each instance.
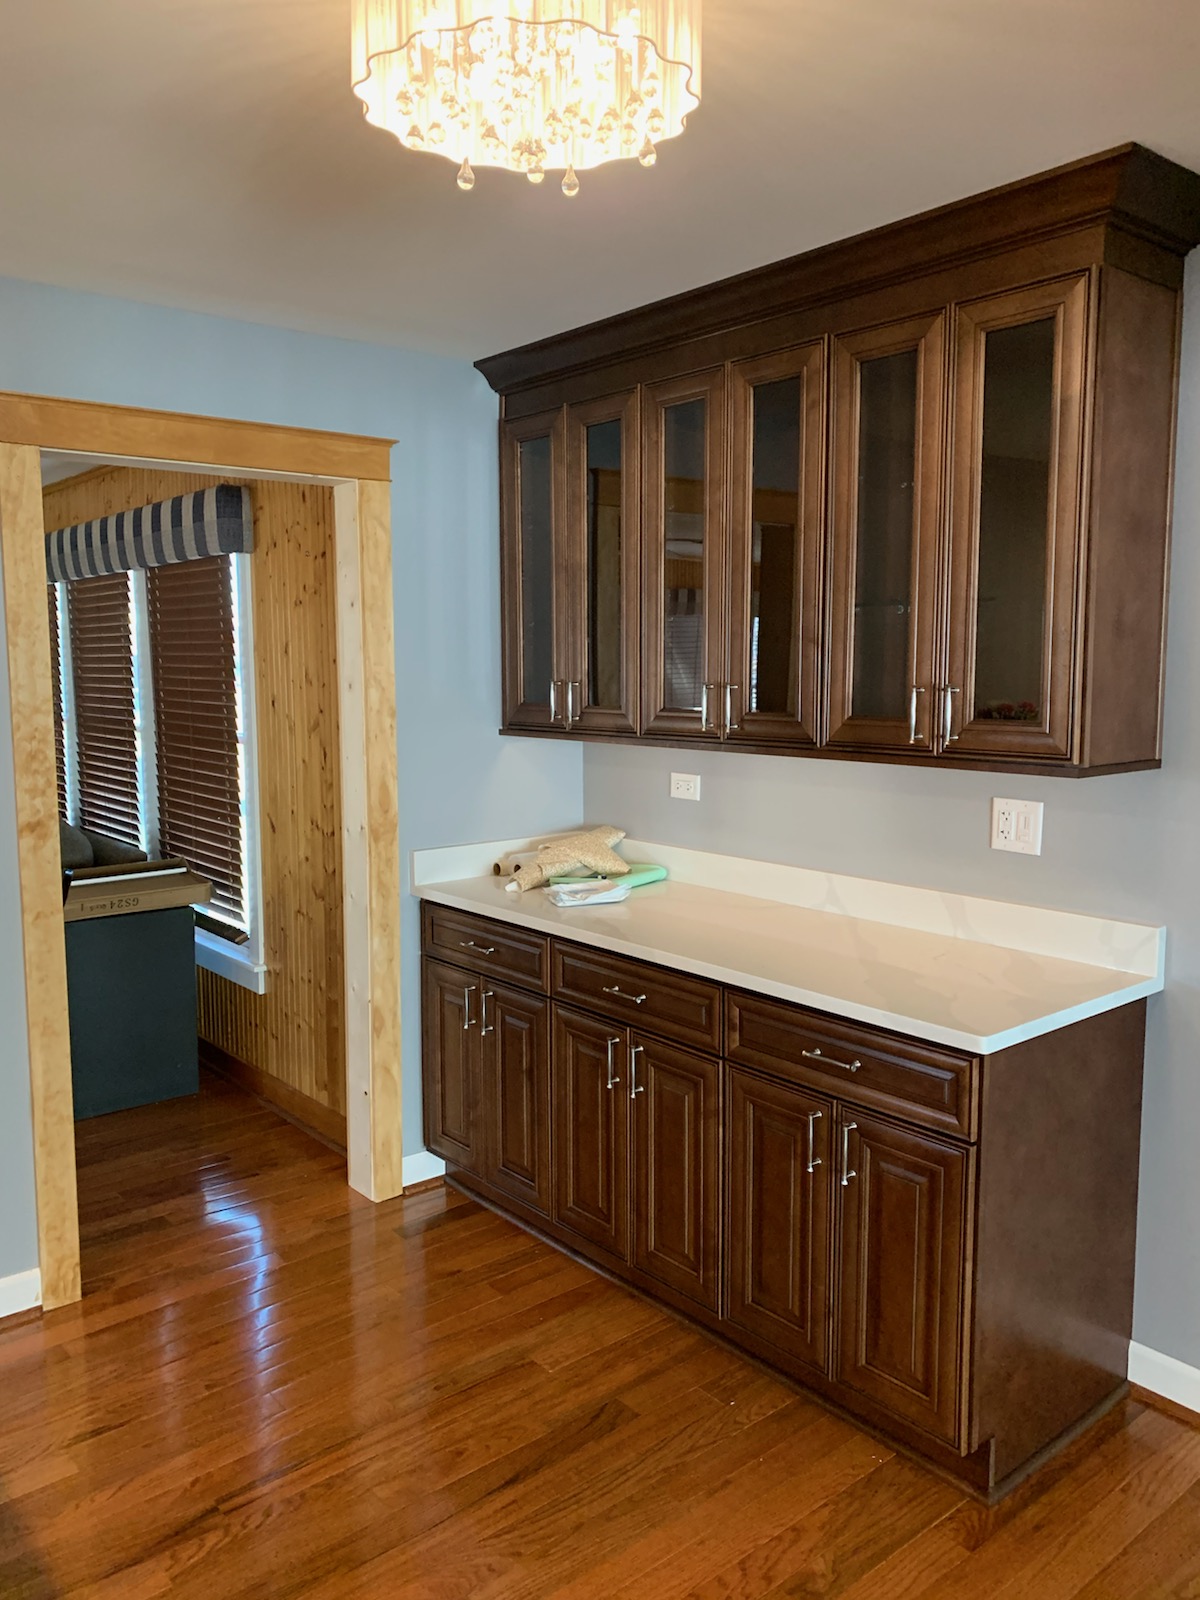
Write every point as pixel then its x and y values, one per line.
pixel 538 86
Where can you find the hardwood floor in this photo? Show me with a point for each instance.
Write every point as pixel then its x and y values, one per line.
pixel 275 1389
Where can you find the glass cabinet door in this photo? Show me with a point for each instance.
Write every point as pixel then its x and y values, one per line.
pixel 683 453
pixel 602 565
pixel 1015 523
pixel 776 424
pixel 887 429
pixel 536 628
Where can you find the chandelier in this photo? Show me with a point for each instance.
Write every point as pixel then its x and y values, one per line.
pixel 542 85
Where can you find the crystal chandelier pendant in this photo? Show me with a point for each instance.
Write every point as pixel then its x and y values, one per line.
pixel 549 85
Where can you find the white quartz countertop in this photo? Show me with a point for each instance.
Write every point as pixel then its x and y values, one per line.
pixel 951 989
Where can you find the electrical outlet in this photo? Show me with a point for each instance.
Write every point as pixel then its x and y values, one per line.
pixel 685 786
pixel 1017 825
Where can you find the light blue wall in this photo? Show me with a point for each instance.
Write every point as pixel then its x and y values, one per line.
pixel 1123 846
pixel 458 779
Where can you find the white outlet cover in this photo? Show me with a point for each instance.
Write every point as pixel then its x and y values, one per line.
pixel 685 786
pixel 1017 826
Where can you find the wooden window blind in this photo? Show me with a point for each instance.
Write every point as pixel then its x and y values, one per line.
pixel 60 746
pixel 105 726
pixel 193 666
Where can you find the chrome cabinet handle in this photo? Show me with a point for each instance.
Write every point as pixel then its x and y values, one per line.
pixel 814 1161
pixel 613 1080
pixel 912 713
pixel 638 999
pixel 553 699
pixel 730 690
pixel 487 1027
pixel 572 684
pixel 831 1061
pixel 704 708
pixel 635 1088
pixel 948 694
pixel 480 949
pixel 847 1173
pixel 468 1019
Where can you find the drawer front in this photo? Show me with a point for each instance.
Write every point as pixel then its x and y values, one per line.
pixel 485 946
pixel 919 1082
pixel 668 1003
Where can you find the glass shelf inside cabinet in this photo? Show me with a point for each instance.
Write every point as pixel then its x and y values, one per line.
pixel 774 532
pixel 887 439
pixel 604 564
pixel 1014 521
pixel 684 485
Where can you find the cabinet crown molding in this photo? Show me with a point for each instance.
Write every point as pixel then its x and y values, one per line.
pixel 1129 190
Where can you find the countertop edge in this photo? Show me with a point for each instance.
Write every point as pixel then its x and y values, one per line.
pixel 915 1027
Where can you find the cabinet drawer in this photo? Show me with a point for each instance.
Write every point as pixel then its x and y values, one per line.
pixel 486 946
pixel 917 1081
pixel 663 1002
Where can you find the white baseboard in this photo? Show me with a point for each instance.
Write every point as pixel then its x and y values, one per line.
pixel 21 1292
pixel 1163 1375
pixel 420 1168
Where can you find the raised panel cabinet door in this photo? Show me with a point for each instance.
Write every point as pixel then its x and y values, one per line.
pixel 533 603
pixel 903 1271
pixel 886 489
pixel 685 572
pixel 591 1130
pixel 780 1179
pixel 603 554
pixel 450 1018
pixel 515 1095
pixel 1015 508
pixel 675 1101
pixel 776 531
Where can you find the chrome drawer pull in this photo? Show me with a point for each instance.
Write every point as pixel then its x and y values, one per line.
pixel 468 1019
pixel 617 990
pixel 613 1080
pixel 847 1174
pixel 814 1161
pixel 635 1088
pixel 479 949
pixel 829 1061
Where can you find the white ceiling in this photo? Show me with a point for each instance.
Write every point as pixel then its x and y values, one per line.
pixel 209 154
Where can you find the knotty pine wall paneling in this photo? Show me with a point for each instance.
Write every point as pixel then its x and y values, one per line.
pixel 291 1039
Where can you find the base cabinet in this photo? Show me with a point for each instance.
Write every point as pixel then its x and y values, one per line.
pixel 870 1213
pixel 902 1271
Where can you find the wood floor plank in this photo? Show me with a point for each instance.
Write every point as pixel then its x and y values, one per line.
pixel 274 1390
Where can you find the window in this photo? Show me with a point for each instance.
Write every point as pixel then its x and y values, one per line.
pixel 154 714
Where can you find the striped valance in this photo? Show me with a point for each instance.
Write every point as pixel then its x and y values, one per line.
pixel 208 522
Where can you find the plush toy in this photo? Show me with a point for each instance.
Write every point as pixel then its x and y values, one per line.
pixel 592 850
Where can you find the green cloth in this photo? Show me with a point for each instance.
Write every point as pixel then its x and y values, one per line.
pixel 640 872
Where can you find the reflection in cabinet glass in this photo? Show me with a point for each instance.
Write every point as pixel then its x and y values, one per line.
pixel 604 463
pixel 684 446
pixel 537 562
pixel 1014 520
pixel 775 526
pixel 887 441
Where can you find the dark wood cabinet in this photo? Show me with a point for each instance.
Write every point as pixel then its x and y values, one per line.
pixel 449 1018
pixel 939 1244
pixel 903 1280
pixel 674 1099
pixel 780 1215
pixel 905 498
pixel 591 1130
pixel 515 1093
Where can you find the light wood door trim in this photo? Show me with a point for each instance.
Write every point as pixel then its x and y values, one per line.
pixel 370 836
pixel 31 693
pixel 927 336
pixel 130 431
pixel 1051 735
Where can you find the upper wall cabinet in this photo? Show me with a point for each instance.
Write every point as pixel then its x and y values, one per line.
pixel 904 498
